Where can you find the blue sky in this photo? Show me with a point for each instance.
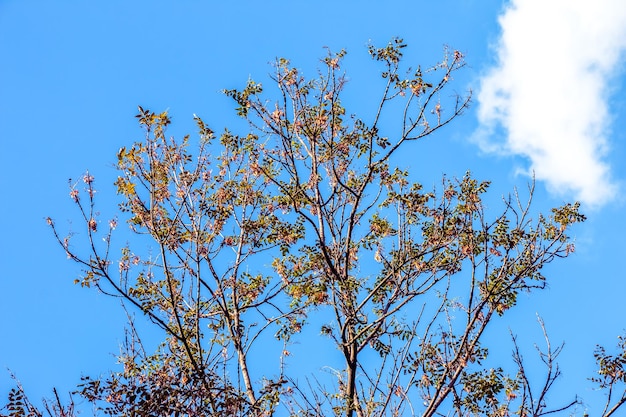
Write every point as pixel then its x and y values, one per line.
pixel 548 82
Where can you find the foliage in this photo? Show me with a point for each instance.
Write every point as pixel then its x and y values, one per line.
pixel 612 375
pixel 243 243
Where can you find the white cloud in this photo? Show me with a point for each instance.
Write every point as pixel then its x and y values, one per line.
pixel 548 93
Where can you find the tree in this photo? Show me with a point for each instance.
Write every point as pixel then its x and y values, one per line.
pixel 306 225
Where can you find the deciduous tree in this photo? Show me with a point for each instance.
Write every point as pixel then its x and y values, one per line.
pixel 307 228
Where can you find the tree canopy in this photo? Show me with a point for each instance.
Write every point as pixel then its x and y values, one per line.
pixel 306 229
